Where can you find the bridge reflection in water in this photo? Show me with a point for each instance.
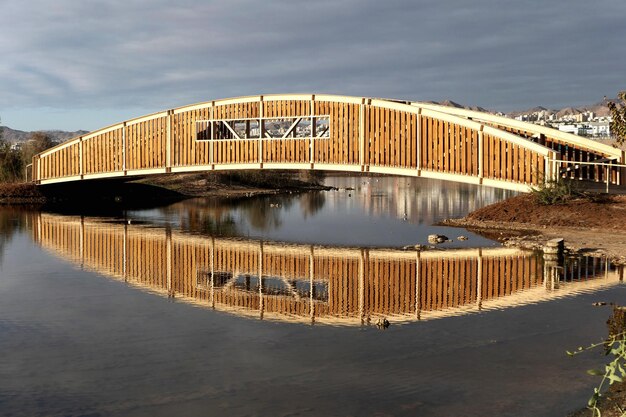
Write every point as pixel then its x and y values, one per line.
pixel 317 284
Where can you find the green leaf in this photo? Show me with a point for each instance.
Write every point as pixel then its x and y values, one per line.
pixel 614 378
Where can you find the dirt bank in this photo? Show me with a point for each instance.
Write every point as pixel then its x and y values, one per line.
pixel 19 193
pixel 596 225
pixel 162 188
pixel 238 183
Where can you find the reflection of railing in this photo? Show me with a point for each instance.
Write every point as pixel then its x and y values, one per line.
pixel 299 282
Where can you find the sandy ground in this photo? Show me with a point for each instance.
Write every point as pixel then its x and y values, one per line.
pixel 596 227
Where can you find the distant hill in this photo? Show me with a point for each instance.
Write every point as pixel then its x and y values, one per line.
pixel 600 108
pixel 14 136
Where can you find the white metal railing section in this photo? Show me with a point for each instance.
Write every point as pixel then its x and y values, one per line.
pixel 605 172
pixel 272 128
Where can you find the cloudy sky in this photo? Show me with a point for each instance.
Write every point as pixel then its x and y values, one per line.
pixel 80 64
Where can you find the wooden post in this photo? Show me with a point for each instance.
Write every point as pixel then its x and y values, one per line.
pixel 124 145
pixel 124 250
pixel 80 157
pixel 362 135
pixel 261 135
pixel 212 141
pixel 479 284
pixel 168 141
pixel 362 286
pixel 419 142
pixel 168 261
pixel 481 150
pixel 418 304
pixel 261 306
pixel 39 237
pixel 82 241
pixel 212 272
pixel 311 276
pixel 313 129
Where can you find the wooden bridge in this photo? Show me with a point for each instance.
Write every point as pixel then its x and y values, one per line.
pixel 325 132
pixel 313 284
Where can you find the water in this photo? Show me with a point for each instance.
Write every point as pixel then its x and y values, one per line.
pixel 159 317
pixel 364 212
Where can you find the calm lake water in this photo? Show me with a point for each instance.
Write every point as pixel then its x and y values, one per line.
pixel 268 307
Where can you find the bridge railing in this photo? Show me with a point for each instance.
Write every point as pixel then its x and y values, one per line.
pixel 363 135
pixel 570 147
pixel 608 173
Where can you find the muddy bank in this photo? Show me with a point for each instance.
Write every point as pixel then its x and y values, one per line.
pixel 20 194
pixel 159 189
pixel 589 225
pixel 229 184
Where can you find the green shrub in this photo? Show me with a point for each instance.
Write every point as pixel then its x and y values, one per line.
pixel 556 191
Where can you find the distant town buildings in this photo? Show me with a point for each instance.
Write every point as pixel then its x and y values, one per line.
pixel 582 123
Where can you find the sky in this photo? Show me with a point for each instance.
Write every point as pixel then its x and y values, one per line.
pixel 82 64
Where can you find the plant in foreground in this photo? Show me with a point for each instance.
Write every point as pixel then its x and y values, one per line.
pixel 615 347
pixel 555 191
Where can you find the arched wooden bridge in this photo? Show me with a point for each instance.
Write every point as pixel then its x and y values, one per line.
pixel 315 284
pixel 326 132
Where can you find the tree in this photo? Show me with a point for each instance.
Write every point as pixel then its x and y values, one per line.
pixel 618 124
pixel 38 142
pixel 10 163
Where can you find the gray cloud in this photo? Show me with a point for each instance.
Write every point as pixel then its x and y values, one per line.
pixel 72 54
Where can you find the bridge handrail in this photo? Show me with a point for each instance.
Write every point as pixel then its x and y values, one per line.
pixel 505 121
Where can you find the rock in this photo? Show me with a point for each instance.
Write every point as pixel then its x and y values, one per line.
pixel 419 247
pixel 462 238
pixel 382 323
pixel 437 238
pixel 554 246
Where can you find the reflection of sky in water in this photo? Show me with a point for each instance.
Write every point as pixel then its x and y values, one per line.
pixel 78 341
pixel 379 211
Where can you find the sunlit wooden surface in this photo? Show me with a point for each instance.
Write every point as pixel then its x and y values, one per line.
pixel 358 135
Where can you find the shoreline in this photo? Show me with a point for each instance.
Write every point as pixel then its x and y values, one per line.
pixel 594 226
pixel 156 190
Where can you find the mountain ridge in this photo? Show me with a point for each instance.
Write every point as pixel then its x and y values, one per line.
pixel 600 109
pixel 16 136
